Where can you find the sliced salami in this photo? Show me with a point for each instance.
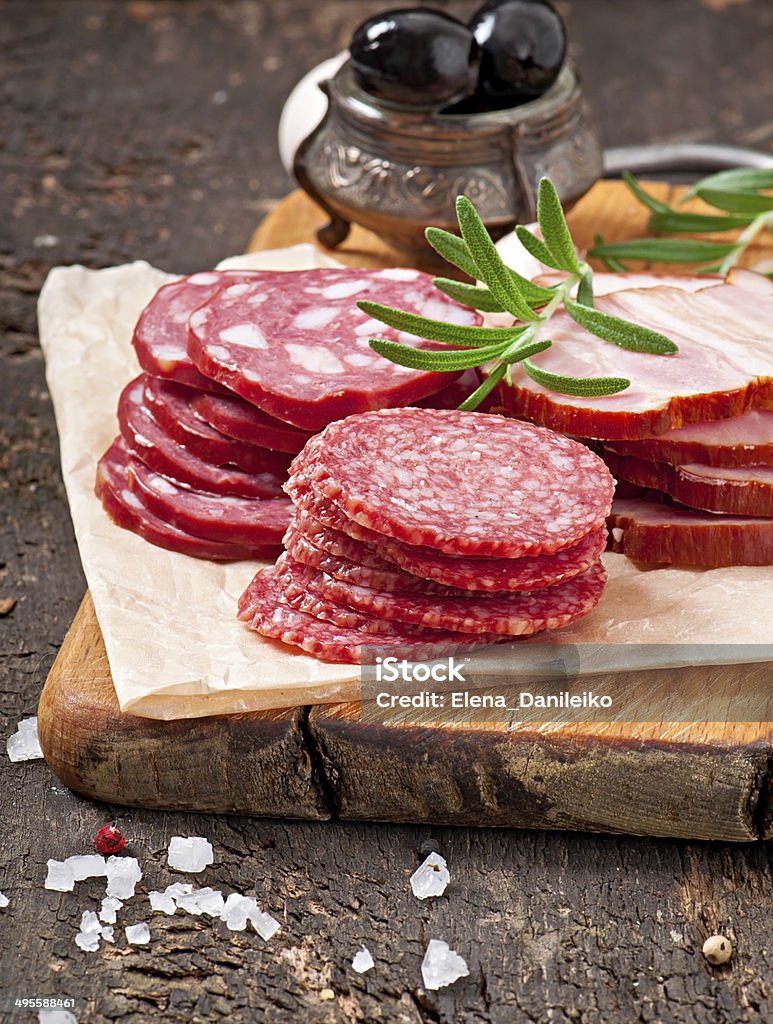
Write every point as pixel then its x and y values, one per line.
pixel 514 614
pixel 395 580
pixel 236 418
pixel 648 531
pixel 735 490
pixel 247 522
pixel 724 365
pixel 264 608
pixel 297 347
pixel 128 510
pixel 337 543
pixel 458 482
pixel 147 441
pixel 172 408
pixel 160 338
pixel 745 440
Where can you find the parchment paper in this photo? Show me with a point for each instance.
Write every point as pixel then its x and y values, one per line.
pixel 175 647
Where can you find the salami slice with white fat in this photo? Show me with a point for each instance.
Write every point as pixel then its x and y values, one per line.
pixel 735 490
pixel 160 337
pixel 246 522
pixel 238 419
pixel 458 482
pixel 128 510
pixel 297 347
pixel 648 531
pixel 172 408
pixel 336 542
pixel 147 441
pixel 724 365
pixel 513 614
pixel 263 607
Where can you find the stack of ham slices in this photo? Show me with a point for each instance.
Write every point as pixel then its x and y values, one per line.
pixel 419 530
pixel 691 440
pixel 241 368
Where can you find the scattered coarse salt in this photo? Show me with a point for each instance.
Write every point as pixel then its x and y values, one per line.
pixel 108 909
pixel 24 745
pixel 137 934
pixel 264 924
pixel 90 865
pixel 362 961
pixel 190 853
pixel 442 966
pixel 430 878
pixel 123 873
pixel 91 931
pixel 56 1017
pixel 60 877
pixel 160 901
pixel 202 901
pixel 238 910
pixel 4 901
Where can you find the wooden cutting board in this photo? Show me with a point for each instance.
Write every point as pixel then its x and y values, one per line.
pixel 666 778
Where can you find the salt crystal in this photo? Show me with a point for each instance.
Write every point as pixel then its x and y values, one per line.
pixel 430 878
pixel 441 966
pixel 108 909
pixel 4 901
pixel 189 903
pixel 23 745
pixel 123 873
pixel 88 941
pixel 90 924
pixel 178 889
pixel 89 865
pixel 362 961
pixel 60 877
pixel 56 1017
pixel 236 910
pixel 210 901
pixel 160 901
pixel 138 934
pixel 190 853
pixel 264 924
pixel 107 935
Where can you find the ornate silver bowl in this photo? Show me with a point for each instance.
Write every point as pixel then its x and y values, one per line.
pixel 395 171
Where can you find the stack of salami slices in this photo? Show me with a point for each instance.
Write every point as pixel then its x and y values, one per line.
pixel 691 440
pixel 424 529
pixel 241 368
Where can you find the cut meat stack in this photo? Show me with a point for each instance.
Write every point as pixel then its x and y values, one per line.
pixel 691 440
pixel 241 369
pixel 419 530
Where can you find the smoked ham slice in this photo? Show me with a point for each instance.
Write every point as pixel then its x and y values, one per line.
pixel 723 368
pixel 647 531
pixel 738 490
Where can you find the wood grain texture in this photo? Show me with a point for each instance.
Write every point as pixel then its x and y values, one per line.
pixel 113 165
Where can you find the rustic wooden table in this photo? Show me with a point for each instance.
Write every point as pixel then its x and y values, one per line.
pixel 138 129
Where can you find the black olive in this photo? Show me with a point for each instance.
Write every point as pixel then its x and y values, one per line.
pixel 523 44
pixel 415 57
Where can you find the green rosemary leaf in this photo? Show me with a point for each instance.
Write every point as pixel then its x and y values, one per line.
pixel 469 295
pixel 484 390
pixel 552 222
pixel 491 270
pixel 585 290
pixel 695 223
pixel 438 330
pixel 619 332
pixel 422 359
pixel 644 197
pixel 671 250
pixel 453 249
pixel 516 355
pixel 736 202
pixel 536 247
pixel 743 178
pixel 584 387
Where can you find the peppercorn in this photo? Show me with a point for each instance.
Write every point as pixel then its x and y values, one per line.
pixel 109 839
pixel 717 949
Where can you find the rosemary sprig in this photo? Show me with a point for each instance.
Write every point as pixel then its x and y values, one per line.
pixel 503 290
pixel 741 196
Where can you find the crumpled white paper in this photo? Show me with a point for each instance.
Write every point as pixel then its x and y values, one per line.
pixel 175 647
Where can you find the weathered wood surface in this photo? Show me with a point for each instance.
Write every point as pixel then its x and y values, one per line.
pixel 703 780
pixel 114 147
